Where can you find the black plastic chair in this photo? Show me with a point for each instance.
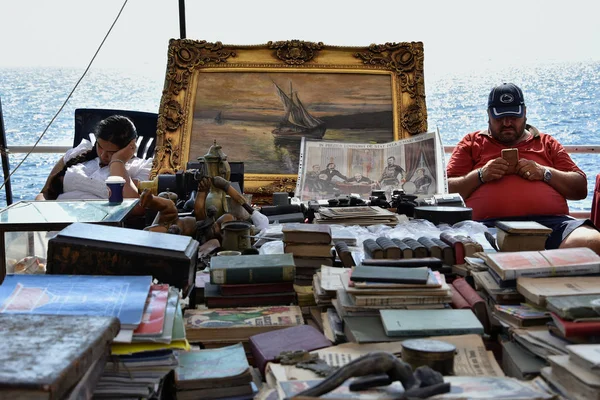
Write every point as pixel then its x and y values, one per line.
pixel 86 120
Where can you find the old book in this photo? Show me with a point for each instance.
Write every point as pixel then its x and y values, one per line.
pixel 256 288
pixel 406 323
pixel 308 250
pixel 521 315
pixel 484 280
pixel 434 281
pixel 586 356
pixel 433 249
pixel 91 249
pixel 372 249
pixel 214 299
pixel 523 227
pixel 536 290
pixel 573 307
pixel 399 300
pixel 390 250
pixel 306 233
pixel 419 251
pixel 367 329
pixel 457 246
pixel 580 382
pixel 447 251
pixel 230 324
pixel 405 250
pixel 44 356
pixel 429 262
pixel 471 246
pixel 312 262
pixel 458 301
pixel 572 328
pixel 518 362
pixel 210 368
pixel 267 346
pixel 255 268
pixel 557 262
pixel 390 274
pixel 515 242
pixel 344 254
pixel 474 299
pixel 123 297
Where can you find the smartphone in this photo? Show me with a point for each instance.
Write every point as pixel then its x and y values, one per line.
pixel 512 156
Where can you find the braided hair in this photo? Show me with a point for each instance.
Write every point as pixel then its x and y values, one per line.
pixel 116 129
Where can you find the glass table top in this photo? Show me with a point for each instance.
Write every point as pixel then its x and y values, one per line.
pixel 68 211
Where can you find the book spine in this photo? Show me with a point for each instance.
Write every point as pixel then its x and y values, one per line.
pixel 569 270
pixel 391 301
pixel 436 332
pixel 228 276
pixel 458 301
pixel 467 291
pixel 372 248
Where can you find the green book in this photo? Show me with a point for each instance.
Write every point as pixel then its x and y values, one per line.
pixel 255 268
pixel 407 323
pixel 390 274
pixel 573 307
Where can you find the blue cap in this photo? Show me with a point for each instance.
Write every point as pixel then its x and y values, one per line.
pixel 506 100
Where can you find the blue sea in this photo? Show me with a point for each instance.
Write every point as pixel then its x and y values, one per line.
pixel 563 100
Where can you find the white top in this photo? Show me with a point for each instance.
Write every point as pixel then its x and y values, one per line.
pixel 87 180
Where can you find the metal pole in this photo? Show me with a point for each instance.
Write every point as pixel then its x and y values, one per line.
pixel 182 19
pixel 5 162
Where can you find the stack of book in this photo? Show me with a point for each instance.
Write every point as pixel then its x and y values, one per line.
pixel 250 280
pixel 143 357
pixel 521 235
pixel 577 374
pixel 360 215
pixel 214 374
pixel 575 318
pixel 219 327
pixel 311 247
pixel 146 313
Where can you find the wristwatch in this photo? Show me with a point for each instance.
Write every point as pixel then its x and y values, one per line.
pixel 547 175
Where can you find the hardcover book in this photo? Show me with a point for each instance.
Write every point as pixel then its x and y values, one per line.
pixel 571 328
pixel 123 297
pixel 431 262
pixel 256 288
pixel 518 242
pixel 306 233
pixel 447 251
pixel 308 250
pixel 578 380
pixel 433 249
pixel 390 274
pixel 267 346
pixel 536 290
pixel 230 324
pixel 419 251
pixel 586 356
pixel 372 249
pixel 523 227
pixel 44 356
pixel 406 323
pixel 573 307
pixel 344 254
pixel 474 299
pixel 255 268
pixel 210 368
pixel 521 315
pixel 390 250
pixel 557 262
pixel 457 246
pixel 405 250
pixel 153 318
pixel 214 299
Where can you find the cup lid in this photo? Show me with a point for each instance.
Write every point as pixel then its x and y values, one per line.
pixel 115 179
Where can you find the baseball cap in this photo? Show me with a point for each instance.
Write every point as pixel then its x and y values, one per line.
pixel 506 100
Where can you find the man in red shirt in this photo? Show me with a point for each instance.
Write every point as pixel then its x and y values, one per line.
pixel 536 189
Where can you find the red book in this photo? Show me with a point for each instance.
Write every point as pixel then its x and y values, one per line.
pixel 257 288
pixel 456 244
pixel 476 302
pixel 458 301
pixel 572 328
pixel 153 319
pixel 266 346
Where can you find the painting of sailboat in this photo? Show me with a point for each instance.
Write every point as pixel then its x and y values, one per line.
pixel 297 121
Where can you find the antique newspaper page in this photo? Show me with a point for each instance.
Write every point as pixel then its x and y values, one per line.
pixel 329 169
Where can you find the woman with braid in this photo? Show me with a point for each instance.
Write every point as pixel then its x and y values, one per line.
pixel 82 172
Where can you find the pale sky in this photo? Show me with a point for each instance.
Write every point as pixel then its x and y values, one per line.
pixel 457 35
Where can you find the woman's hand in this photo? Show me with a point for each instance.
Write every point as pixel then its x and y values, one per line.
pixel 126 153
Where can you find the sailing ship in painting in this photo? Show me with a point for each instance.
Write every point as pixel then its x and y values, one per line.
pixel 297 121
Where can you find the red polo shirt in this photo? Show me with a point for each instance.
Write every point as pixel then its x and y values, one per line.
pixel 512 195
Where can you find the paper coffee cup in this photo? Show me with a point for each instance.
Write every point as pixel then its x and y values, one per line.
pixel 115 189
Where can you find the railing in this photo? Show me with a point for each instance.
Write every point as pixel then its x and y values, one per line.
pixel 582 149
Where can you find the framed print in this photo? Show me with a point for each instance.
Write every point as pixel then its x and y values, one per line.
pixel 258 102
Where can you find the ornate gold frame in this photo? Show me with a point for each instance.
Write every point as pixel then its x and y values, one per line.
pixel 189 59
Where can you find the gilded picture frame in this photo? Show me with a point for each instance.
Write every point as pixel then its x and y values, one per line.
pixel 257 101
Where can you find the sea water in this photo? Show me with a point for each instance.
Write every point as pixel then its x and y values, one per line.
pixel 562 99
